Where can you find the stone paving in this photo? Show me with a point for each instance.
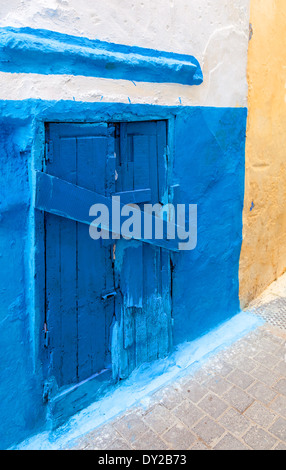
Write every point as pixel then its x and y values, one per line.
pixel 271 305
pixel 236 401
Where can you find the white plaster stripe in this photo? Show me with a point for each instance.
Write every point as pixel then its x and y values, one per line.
pixel 215 32
pixel 24 86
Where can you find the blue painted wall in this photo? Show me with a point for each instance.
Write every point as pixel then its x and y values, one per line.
pixel 208 165
pixel 20 388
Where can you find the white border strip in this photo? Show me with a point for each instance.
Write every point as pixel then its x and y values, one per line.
pixel 23 86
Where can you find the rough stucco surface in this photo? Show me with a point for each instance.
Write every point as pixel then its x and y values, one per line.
pixel 263 257
pixel 211 31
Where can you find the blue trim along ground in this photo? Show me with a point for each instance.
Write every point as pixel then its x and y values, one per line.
pixel 46 52
pixel 207 161
pixel 145 381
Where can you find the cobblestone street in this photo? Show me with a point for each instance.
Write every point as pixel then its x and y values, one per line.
pixel 236 401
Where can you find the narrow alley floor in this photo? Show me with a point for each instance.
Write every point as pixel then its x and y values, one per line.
pixel 236 401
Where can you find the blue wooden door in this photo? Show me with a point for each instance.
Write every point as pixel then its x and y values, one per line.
pixel 108 303
pixel 143 272
pixel 78 270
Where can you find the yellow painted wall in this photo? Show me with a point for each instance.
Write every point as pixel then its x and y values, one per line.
pixel 263 256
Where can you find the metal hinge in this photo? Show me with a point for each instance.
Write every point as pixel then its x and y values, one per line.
pixel 108 295
pixel 49 153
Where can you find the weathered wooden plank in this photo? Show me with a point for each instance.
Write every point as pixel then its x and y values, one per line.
pixel 141 162
pixel 123 159
pixel 70 201
pixel 68 305
pixel 132 277
pixel 165 325
pixel 162 160
pixel 91 161
pixel 152 300
pixel 72 130
pixel 129 171
pixel 68 275
pixel 135 197
pixel 61 275
pixel 153 166
pixel 141 316
pixel 78 397
pixel 109 301
pixel 53 322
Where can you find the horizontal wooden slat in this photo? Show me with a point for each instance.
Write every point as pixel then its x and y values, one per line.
pixel 78 397
pixel 135 197
pixel 58 197
pixel 88 130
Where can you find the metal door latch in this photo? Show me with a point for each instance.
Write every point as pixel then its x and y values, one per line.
pixel 108 295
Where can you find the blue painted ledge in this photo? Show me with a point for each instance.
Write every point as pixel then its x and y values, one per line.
pixel 46 52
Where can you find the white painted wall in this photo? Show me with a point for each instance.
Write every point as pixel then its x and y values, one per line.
pixel 214 31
